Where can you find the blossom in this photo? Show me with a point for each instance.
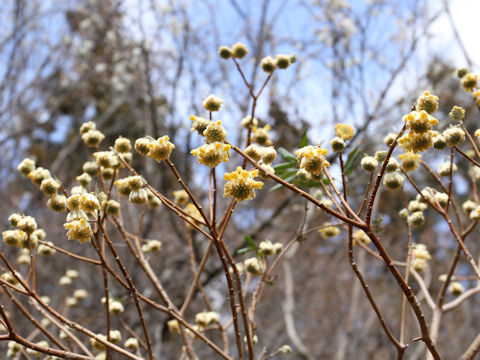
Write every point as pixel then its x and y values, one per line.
pixel 417 142
pixel 328 231
pixel 420 121
pixel 241 185
pixel 344 131
pixel 409 160
pixel 239 50
pixel 427 102
pixel 199 124
pixel 261 136
pixel 312 159
pixel 160 149
pixel 214 132
pixel 79 230
pixel 180 197
pixel 212 103
pixel 470 82
pixel 212 154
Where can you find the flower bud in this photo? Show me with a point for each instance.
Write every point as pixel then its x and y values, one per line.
pixel 26 166
pixel 142 145
pixel 282 61
pixel 338 145
pixel 393 180
pixel 239 50
pixel 225 52
pixel 122 145
pixel 369 163
pixel 268 64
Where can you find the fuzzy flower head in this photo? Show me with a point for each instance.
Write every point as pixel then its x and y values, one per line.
pixel 268 154
pixel 215 132
pixel 369 163
pixel 38 175
pixel 312 159
pixel 89 203
pixel 241 185
pixel 142 145
pixel 420 122
pixel 454 136
pixel 476 97
pixel 180 197
pixel 456 288
pixel 87 126
pixel 410 161
pixel 106 159
pixel 122 145
pixel 344 131
pixel 268 64
pixel 79 230
pixel 160 149
pixel 328 231
pixel 248 122
pixel 14 237
pixel 470 82
pixel 420 251
pixel 427 102
pixel 393 180
pixel 239 50
pixel 261 135
pixel 225 52
pixel 416 142
pixel 282 61
pixel 26 166
pixel 192 210
pixel 212 154
pixel 254 266
pixel 360 236
pixel 199 124
pixel 212 103
pixel 92 138
pixel 457 113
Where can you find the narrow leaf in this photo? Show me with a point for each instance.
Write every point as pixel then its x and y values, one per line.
pixel 282 167
pixel 350 164
pixel 288 179
pixel 287 155
pixel 250 242
pixel 303 140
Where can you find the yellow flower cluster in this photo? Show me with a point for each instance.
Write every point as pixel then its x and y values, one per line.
pixel 419 124
pixel 78 230
pixel 160 149
pixel 241 185
pixel 476 97
pixel 312 159
pixel 212 154
pixel 427 102
pixel 360 236
pixel 328 231
pixel 261 135
pixel 344 131
pixel 409 160
pixel 421 256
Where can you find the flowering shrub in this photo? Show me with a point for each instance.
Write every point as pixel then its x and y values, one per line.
pixel 93 213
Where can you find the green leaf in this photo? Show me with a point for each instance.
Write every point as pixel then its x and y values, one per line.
pixel 250 241
pixel 288 179
pixel 350 164
pixel 303 140
pixel 279 168
pixel 289 174
pixel 245 250
pixel 287 155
